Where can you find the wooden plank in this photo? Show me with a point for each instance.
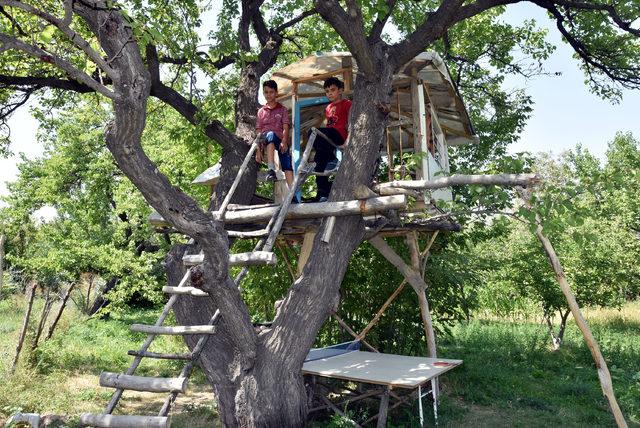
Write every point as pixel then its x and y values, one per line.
pixel 321 209
pixel 159 356
pixel 173 330
pixel 189 291
pixel 396 371
pixel 113 402
pixel 142 383
pixel 238 259
pixel 123 421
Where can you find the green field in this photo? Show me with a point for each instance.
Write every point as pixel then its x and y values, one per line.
pixel 510 376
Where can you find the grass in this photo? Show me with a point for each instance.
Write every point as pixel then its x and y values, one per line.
pixel 510 376
pixel 61 377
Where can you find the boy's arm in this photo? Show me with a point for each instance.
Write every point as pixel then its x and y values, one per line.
pixel 284 144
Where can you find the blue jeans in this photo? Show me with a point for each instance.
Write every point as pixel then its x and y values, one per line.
pixel 285 158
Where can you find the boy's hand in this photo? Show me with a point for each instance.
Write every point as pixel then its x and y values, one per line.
pixel 283 147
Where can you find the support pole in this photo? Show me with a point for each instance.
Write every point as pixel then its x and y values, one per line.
pixel 25 323
pixel 383 308
pixel 603 371
pixel 384 406
pixel 417 283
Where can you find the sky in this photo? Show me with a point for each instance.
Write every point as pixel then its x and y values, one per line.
pixel 565 112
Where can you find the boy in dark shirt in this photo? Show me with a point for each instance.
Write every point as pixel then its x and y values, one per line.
pixel 337 117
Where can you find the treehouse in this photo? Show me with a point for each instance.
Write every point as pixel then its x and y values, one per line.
pixel 427 113
pixel 427 116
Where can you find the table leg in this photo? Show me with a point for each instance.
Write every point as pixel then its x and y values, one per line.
pixel 434 390
pixel 420 405
pixel 384 405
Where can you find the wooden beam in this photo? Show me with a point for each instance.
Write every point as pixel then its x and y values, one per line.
pixel 238 259
pixel 178 330
pixel 142 383
pixel 601 365
pixel 353 333
pixel 320 209
pixel 419 286
pixel 384 407
pixel 505 180
pixel 160 356
pixel 188 291
pixel 123 421
pixel 383 308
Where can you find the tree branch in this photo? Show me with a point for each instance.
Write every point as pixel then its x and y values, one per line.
pixel 463 180
pixel 214 130
pixel 350 27
pixel 280 28
pixel 378 25
pixel 10 42
pixel 74 37
pixel 34 83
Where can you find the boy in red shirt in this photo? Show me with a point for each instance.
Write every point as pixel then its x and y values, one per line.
pixel 337 116
pixel 273 123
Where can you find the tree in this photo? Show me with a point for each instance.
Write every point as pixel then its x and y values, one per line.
pixel 257 374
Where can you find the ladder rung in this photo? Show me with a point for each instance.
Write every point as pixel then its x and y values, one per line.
pixel 123 421
pixel 173 330
pixel 239 259
pixel 143 383
pixel 190 291
pixel 147 354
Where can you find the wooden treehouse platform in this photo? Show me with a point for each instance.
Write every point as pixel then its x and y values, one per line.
pixel 384 215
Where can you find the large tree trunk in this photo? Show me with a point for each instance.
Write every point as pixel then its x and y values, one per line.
pixel 263 387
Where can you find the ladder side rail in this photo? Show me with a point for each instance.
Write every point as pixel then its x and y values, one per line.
pixel 277 219
pixel 284 208
pixel 186 370
pixel 115 398
pixel 227 199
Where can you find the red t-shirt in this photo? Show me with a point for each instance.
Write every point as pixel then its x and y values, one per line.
pixel 337 115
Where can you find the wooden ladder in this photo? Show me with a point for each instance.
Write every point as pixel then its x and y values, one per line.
pixel 261 255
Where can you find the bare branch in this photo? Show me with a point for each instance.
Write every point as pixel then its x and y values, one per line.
pixel 74 37
pixel 280 28
pixel 10 42
pixel 24 83
pixel 504 180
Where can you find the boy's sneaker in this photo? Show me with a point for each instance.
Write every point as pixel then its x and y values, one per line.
pixel 332 166
pixel 323 199
pixel 271 175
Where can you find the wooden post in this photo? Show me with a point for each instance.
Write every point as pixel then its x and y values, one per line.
pixel 25 323
pixel 46 308
pixel 603 371
pixel 417 283
pixel 2 241
pixel 384 406
pixel 63 303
